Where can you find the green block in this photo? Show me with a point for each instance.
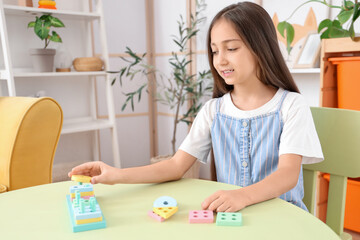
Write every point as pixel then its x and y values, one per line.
pixel 228 219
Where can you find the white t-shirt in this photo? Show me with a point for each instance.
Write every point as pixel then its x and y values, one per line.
pixel 299 135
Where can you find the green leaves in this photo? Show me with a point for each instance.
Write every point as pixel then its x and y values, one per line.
pixel 333 29
pixel 177 88
pixel 42 27
pixel 285 27
pixel 349 11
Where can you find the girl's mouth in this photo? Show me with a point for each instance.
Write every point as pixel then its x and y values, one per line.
pixel 227 73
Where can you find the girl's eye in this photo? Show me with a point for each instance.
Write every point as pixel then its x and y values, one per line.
pixel 232 49
pixel 214 52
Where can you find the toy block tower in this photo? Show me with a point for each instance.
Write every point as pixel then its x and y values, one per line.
pixel 85 212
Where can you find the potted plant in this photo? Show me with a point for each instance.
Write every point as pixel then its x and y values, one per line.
pixel 349 12
pixel 177 89
pixel 43 59
pixel 342 26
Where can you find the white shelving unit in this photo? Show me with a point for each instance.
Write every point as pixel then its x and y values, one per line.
pixel 305 70
pixel 71 125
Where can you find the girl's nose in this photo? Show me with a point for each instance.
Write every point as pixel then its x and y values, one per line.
pixel 222 60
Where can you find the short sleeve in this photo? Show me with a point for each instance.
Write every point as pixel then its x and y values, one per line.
pixel 198 142
pixel 299 135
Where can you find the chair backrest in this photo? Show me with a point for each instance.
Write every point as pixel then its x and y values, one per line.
pixel 29 133
pixel 339 134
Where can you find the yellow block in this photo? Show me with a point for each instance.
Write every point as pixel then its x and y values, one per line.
pixel 81 178
pixel 49 3
pixel 89 220
pixel 82 194
pixel 165 212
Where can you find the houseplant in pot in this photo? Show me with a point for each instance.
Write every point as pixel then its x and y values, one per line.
pixel 177 89
pixel 43 59
pixel 328 28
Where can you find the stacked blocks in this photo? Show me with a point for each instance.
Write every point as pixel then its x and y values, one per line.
pixel 163 208
pixel 85 212
pixel 201 216
pixel 228 219
pixel 47 4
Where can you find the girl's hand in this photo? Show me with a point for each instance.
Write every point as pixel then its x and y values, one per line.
pixel 98 171
pixel 226 201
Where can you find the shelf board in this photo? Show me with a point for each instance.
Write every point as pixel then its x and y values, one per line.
pixel 20 10
pixel 57 74
pixel 84 125
pixel 304 70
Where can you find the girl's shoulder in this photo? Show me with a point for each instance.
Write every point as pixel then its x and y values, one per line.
pixel 293 104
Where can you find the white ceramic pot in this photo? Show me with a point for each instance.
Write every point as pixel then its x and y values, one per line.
pixel 43 59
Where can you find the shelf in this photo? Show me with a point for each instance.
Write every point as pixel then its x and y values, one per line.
pixel 31 11
pixel 84 124
pixel 304 70
pixel 57 74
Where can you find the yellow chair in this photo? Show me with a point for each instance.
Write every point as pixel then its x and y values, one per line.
pixel 339 134
pixel 29 133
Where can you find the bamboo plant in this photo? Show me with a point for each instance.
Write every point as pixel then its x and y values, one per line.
pixel 179 87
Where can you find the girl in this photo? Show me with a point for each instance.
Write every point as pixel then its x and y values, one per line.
pixel 259 126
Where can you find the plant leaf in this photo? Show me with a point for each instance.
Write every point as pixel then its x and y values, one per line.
pixel 344 16
pixel 285 27
pixel 55 37
pixel 31 24
pixel 55 22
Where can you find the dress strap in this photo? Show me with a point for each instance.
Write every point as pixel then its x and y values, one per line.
pixel 218 104
pixel 282 99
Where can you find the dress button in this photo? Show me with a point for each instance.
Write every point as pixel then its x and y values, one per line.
pixel 244 164
pixel 244 124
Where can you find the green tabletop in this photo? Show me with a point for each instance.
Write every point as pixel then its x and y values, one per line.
pixel 41 213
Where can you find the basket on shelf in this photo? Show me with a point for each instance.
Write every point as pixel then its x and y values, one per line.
pixel 88 64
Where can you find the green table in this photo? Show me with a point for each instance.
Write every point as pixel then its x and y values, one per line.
pixel 41 213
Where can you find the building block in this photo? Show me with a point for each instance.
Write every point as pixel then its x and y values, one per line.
pixel 201 216
pixel 165 212
pixel 155 216
pixel 83 194
pixel 85 226
pixel 81 178
pixel 228 219
pixel 82 188
pixel 165 201
pixel 88 220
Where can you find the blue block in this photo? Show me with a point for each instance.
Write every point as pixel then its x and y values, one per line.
pixel 82 188
pixel 86 226
pixel 87 213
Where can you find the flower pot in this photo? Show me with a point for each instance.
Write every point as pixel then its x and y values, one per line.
pixel 43 59
pixel 348 81
pixel 193 172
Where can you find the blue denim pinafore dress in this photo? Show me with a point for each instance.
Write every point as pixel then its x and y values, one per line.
pixel 246 150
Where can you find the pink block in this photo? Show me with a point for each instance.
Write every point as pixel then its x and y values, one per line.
pixel 155 216
pixel 84 197
pixel 201 216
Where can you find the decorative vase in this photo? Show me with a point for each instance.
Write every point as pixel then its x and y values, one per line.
pixel 193 172
pixel 43 59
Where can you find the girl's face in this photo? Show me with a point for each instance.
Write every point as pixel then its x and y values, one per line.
pixel 231 58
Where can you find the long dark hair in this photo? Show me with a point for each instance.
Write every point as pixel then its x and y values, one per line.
pixel 256 29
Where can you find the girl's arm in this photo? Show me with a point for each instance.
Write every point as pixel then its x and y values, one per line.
pixel 280 181
pixel 168 170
